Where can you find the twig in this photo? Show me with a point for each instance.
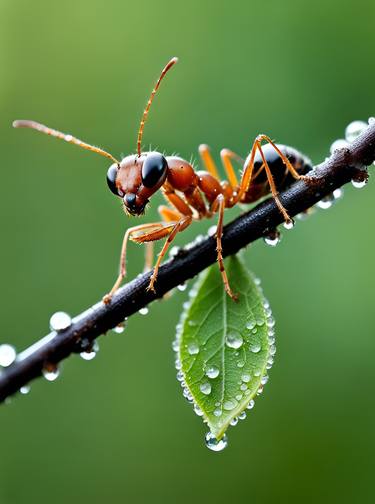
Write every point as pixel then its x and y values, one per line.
pixel 343 166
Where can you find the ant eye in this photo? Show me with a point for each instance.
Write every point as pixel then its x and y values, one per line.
pixel 154 169
pixel 111 179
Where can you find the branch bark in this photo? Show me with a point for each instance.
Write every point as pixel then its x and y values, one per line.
pixel 343 166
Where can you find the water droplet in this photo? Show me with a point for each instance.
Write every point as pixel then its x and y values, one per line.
pixel 255 347
pixel 120 328
pixel 325 203
pixel 177 364
pixel 90 353
pixel 216 445
pixel 338 193
pixel 358 184
pixel 182 287
pixel 192 323
pixel 260 390
pixel 371 120
pixel 212 230
pixel 175 345
pixel 193 348
pixel 260 321
pixel 272 239
pixel 239 397
pixel 234 340
pixel 60 321
pixel 250 325
pixel 257 373
pixel 289 224
pixel 264 380
pixel 246 377
pixel 143 311
pixel 272 350
pixel 354 129
pixel 7 355
pixel 338 144
pixel 251 404
pixel 229 405
pixel 205 388
pixel 240 364
pixel 271 322
pixel 234 421
pixel 197 410
pixel 25 389
pixel 255 330
pixel 180 376
pixel 218 412
pixel 212 372
pixel 242 415
pixel 50 372
pixel 243 387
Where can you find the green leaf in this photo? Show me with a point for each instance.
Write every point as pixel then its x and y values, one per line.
pixel 224 348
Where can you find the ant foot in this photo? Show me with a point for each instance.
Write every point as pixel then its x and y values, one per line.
pixel 107 299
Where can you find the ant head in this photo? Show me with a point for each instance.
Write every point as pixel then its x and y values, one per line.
pixel 136 179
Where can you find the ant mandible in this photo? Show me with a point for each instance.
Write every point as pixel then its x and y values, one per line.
pixel 192 195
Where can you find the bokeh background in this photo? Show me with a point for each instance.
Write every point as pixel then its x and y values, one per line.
pixel 117 429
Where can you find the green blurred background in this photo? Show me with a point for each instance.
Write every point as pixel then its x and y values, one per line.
pixel 117 429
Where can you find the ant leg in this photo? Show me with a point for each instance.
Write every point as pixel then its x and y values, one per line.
pixel 246 174
pixel 207 160
pixel 219 203
pixel 226 158
pixel 284 159
pixel 272 184
pixel 159 230
pixel 182 224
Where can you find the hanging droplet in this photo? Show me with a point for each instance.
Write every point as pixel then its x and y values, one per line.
pixel 212 230
pixel 289 224
pixel 242 415
pixel 338 193
pixel 25 389
pixel 143 311
pixel 197 410
pixel 251 404
pixel 212 372
pixel 326 202
pixel 358 184
pixel 234 340
pixel 60 321
pixel 273 238
pixel 338 144
pixel 234 421
pixel 51 372
pixel 120 328
pixel 214 444
pixel 205 388
pixel 354 130
pixel 193 348
pixel 8 355
pixel 182 287
pixel 90 352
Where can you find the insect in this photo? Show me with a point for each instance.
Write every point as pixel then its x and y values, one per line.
pixel 190 194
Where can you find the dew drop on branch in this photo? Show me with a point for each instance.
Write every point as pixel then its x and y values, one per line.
pixel 8 355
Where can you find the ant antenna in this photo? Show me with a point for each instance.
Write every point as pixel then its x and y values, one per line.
pixel 63 136
pixel 167 67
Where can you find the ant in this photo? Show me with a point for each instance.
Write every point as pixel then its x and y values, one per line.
pixel 192 195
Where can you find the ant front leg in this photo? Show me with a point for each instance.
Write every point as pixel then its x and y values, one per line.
pixel 219 204
pixel 155 232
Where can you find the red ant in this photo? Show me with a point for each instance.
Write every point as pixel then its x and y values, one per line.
pixel 192 195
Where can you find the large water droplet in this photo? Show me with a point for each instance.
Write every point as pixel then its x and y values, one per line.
pixel 7 355
pixel 234 340
pixel 273 238
pixel 255 347
pixel 229 405
pixel 212 372
pixel 91 352
pixel 60 321
pixel 358 184
pixel 50 372
pixel 193 348
pixel 216 445
pixel 289 224
pixel 354 129
pixel 205 388
pixel 250 325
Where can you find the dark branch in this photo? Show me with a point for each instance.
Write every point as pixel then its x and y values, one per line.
pixel 343 166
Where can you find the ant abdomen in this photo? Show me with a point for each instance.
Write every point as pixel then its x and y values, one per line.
pixel 282 177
